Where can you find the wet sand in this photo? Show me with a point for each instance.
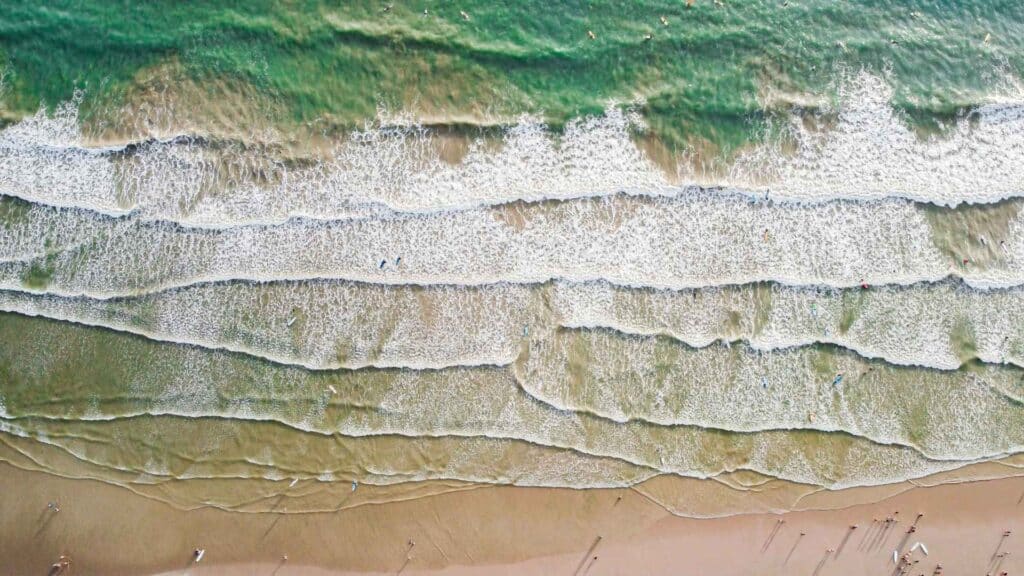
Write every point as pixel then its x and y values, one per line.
pixel 108 530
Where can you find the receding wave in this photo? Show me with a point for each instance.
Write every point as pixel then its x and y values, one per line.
pixel 722 495
pixel 234 449
pixel 235 494
pixel 231 448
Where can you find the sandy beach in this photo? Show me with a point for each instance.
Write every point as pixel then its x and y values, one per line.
pixel 109 530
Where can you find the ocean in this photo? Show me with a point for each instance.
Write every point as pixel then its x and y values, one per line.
pixel 367 253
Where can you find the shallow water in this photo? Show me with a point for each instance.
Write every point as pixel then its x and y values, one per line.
pixel 138 377
pixel 840 307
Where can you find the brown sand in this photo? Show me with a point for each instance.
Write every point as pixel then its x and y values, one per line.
pixel 108 530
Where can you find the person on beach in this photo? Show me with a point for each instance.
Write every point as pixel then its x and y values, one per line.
pixel 61 565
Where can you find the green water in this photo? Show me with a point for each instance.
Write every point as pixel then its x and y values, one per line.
pixel 702 75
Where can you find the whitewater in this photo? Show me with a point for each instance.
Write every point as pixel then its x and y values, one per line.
pixel 841 305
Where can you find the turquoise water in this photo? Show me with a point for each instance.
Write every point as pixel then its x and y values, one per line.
pixel 704 72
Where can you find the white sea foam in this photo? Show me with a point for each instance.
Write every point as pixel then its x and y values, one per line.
pixel 328 325
pixel 22 238
pixel 319 325
pixel 395 165
pixel 696 241
pixel 937 325
pixel 871 152
pixel 42 159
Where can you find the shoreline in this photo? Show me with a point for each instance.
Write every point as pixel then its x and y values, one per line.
pixel 106 529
